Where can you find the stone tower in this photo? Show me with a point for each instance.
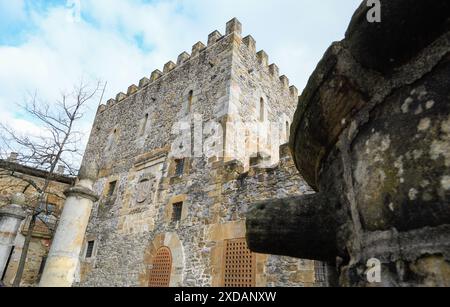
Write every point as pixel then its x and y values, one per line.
pixel 372 136
pixel 180 158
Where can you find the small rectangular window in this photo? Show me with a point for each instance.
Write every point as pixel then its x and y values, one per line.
pixel 144 126
pixel 177 212
pixel 262 110
pixel 90 249
pixel 112 188
pixel 179 167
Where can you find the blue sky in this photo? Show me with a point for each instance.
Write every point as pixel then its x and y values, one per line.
pixel 44 49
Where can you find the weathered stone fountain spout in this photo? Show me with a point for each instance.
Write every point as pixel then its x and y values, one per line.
pixel 299 220
pixel 372 136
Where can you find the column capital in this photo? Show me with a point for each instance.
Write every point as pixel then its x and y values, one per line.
pixel 80 191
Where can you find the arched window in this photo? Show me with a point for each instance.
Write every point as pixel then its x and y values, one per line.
pixel 190 100
pixel 144 125
pixel 161 269
pixel 112 138
pixel 261 110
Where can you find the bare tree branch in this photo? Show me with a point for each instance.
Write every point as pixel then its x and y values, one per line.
pixel 56 144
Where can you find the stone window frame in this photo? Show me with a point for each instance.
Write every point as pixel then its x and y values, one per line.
pixel 173 167
pixel 168 216
pixel 93 257
pixel 179 167
pixel 189 102
pixel 90 249
pixel 143 126
pixel 113 138
pixel 262 100
pixel 106 197
pixel 111 188
pixel 177 211
pixel 262 110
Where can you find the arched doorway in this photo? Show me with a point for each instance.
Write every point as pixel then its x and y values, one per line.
pixel 162 269
pixel 168 246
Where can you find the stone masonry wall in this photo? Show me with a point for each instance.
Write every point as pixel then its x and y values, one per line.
pixel 261 105
pixel 214 211
pixel 192 109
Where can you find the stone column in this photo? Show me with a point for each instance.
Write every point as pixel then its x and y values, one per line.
pixel 63 258
pixel 11 217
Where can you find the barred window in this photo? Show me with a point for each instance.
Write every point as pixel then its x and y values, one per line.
pixel 179 167
pixel 320 271
pixel 112 188
pixel 90 249
pixel 177 212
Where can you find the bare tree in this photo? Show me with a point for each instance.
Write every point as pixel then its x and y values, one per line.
pixel 57 144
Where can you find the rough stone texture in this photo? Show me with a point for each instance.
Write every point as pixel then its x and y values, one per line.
pixel 371 135
pixel 136 143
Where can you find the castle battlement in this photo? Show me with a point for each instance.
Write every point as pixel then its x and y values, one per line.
pixel 182 154
pixel 233 27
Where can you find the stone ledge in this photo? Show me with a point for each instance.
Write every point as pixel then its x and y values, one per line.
pixel 83 192
pixel 13 211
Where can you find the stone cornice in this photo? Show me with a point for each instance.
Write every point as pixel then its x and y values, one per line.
pixel 13 211
pixel 79 191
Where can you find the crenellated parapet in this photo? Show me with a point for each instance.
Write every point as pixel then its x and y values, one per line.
pixel 273 69
pixel 183 57
pixel 168 67
pixel 233 28
pixel 214 37
pixel 156 74
pixel 132 89
pixel 250 42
